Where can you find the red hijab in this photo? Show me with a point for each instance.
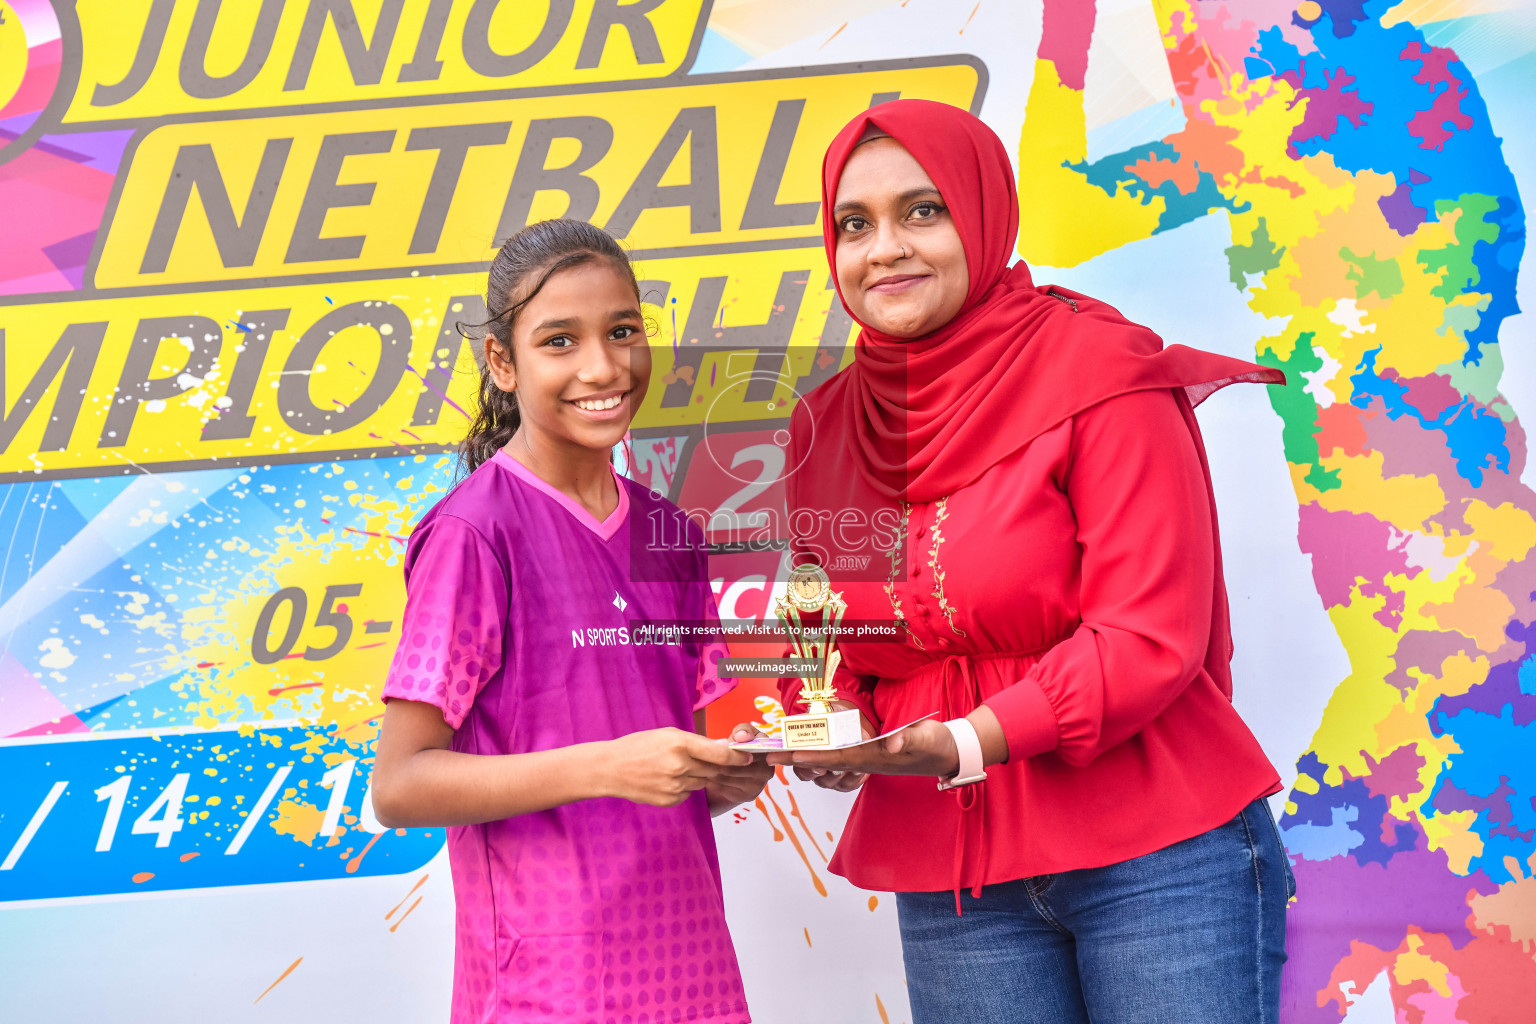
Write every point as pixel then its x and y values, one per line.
pixel 932 414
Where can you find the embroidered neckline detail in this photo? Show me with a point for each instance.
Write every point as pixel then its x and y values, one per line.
pixel 890 583
pixel 941 513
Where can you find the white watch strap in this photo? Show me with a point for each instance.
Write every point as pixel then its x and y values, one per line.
pixel 972 769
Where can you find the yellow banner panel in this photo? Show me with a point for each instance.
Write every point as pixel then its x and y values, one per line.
pixel 204 58
pixel 732 161
pixel 314 372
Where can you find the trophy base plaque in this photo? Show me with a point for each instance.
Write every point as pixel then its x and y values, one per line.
pixel 827 729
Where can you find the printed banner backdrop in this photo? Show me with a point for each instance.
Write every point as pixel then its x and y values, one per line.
pixel 235 241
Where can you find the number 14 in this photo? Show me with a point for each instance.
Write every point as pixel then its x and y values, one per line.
pixel 167 805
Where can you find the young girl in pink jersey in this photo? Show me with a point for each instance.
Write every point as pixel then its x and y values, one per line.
pixel 571 773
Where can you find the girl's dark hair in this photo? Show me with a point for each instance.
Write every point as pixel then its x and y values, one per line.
pixel 535 254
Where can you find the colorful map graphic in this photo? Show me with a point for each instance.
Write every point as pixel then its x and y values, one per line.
pixel 1372 215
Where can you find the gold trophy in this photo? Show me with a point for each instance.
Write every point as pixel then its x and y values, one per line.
pixel 809 591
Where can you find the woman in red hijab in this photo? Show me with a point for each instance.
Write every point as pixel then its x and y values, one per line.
pixel 1033 509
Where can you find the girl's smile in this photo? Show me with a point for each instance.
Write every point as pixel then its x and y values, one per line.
pixel 577 363
pixel 580 363
pixel 605 405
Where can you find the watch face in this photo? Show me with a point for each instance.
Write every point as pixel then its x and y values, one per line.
pixel 808 587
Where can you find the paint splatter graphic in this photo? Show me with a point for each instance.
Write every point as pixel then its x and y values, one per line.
pixel 227 651
pixel 280 977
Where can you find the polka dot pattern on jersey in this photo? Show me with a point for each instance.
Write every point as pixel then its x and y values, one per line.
pixel 710 686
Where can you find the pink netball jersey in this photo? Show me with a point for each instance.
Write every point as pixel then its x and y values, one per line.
pixel 518 603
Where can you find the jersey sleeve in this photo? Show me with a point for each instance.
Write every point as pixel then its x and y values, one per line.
pixel 710 686
pixel 451 637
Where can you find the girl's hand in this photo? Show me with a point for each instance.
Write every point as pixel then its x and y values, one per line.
pixel 738 785
pixel 662 766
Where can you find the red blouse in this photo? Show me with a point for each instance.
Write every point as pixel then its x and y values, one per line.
pixel 1069 588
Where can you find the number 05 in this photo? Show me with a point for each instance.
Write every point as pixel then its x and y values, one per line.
pixel 262 651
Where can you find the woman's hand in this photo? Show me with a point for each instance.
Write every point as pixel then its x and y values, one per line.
pixel 923 748
pixel 662 766
pixel 828 778
pixel 737 785
pixel 926 748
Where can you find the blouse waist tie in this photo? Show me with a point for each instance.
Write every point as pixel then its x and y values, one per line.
pixel 960 694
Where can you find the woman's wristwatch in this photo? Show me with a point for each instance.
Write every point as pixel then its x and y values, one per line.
pixel 972 769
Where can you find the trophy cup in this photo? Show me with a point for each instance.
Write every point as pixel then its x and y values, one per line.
pixel 809 591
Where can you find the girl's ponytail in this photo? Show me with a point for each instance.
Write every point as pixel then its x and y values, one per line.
pixel 496 420
pixel 535 254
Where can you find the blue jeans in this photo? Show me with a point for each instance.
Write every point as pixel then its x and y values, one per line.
pixel 1191 934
